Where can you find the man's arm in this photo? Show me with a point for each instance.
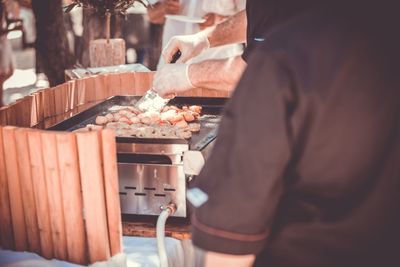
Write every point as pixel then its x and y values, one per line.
pixel 231 31
pixel 221 74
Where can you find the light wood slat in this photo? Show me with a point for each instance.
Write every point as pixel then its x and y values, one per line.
pixel 72 197
pixel 127 84
pixel 143 82
pixel 58 100
pixel 34 111
pixel 72 95
pixel 54 194
pixel 90 163
pixel 14 187
pixel 100 86
pixel 48 103
pixel 11 114
pixel 112 191
pixel 81 91
pixel 90 89
pixel 40 190
pixel 22 111
pixel 65 97
pixel 6 228
pixel 39 100
pixel 28 197
pixel 113 85
pixel 3 116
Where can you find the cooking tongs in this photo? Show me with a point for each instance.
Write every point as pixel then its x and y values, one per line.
pixel 152 101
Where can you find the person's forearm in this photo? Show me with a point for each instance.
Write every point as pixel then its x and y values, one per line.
pixel 231 31
pixel 221 74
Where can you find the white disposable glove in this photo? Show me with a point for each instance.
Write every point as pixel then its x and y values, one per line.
pixel 172 79
pixel 189 45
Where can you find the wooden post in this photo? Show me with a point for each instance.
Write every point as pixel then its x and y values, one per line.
pixel 72 197
pixel 103 53
pixel 54 193
pixel 14 189
pixel 112 190
pixel 40 189
pixel 6 228
pixel 28 197
pixel 90 163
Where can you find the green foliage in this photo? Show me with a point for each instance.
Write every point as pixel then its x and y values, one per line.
pixel 105 6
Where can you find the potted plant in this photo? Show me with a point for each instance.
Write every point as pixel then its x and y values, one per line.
pixel 106 52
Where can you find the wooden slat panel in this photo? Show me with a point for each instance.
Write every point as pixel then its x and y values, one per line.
pixel 58 100
pixel 48 103
pixel 23 111
pixel 113 85
pixel 3 116
pixel 28 197
pixel 143 82
pixel 6 228
pixel 99 83
pixel 54 194
pixel 40 189
pixel 65 97
pixel 90 90
pixel 39 100
pixel 14 187
pixel 72 197
pixel 127 84
pixel 80 91
pixel 72 95
pixel 11 114
pixel 93 195
pixel 112 191
pixel 34 111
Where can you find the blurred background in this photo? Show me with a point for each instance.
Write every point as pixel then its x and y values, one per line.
pixel 45 42
pixel 48 41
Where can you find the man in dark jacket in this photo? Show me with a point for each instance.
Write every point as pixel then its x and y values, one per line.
pixel 306 169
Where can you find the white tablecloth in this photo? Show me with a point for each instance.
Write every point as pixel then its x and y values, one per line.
pixel 138 252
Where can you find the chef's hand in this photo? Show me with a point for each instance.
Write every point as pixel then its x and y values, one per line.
pixel 189 45
pixel 172 79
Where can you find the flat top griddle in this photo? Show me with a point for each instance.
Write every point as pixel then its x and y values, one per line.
pixel 209 120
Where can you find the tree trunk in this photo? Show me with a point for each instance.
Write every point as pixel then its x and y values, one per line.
pixel 52 51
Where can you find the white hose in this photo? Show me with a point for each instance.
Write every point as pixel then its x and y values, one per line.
pixel 162 219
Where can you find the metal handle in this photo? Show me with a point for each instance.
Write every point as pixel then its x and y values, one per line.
pixel 176 57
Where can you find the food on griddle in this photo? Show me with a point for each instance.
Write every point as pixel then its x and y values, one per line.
pixel 171 122
pixel 101 120
pixel 194 127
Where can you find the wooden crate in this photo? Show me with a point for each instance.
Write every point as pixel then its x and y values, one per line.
pixel 59 194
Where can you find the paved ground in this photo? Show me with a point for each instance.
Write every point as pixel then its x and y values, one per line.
pixel 24 80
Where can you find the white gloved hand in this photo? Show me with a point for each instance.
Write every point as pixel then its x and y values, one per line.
pixel 189 45
pixel 172 79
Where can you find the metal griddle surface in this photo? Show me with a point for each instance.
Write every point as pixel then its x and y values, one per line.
pixel 212 108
